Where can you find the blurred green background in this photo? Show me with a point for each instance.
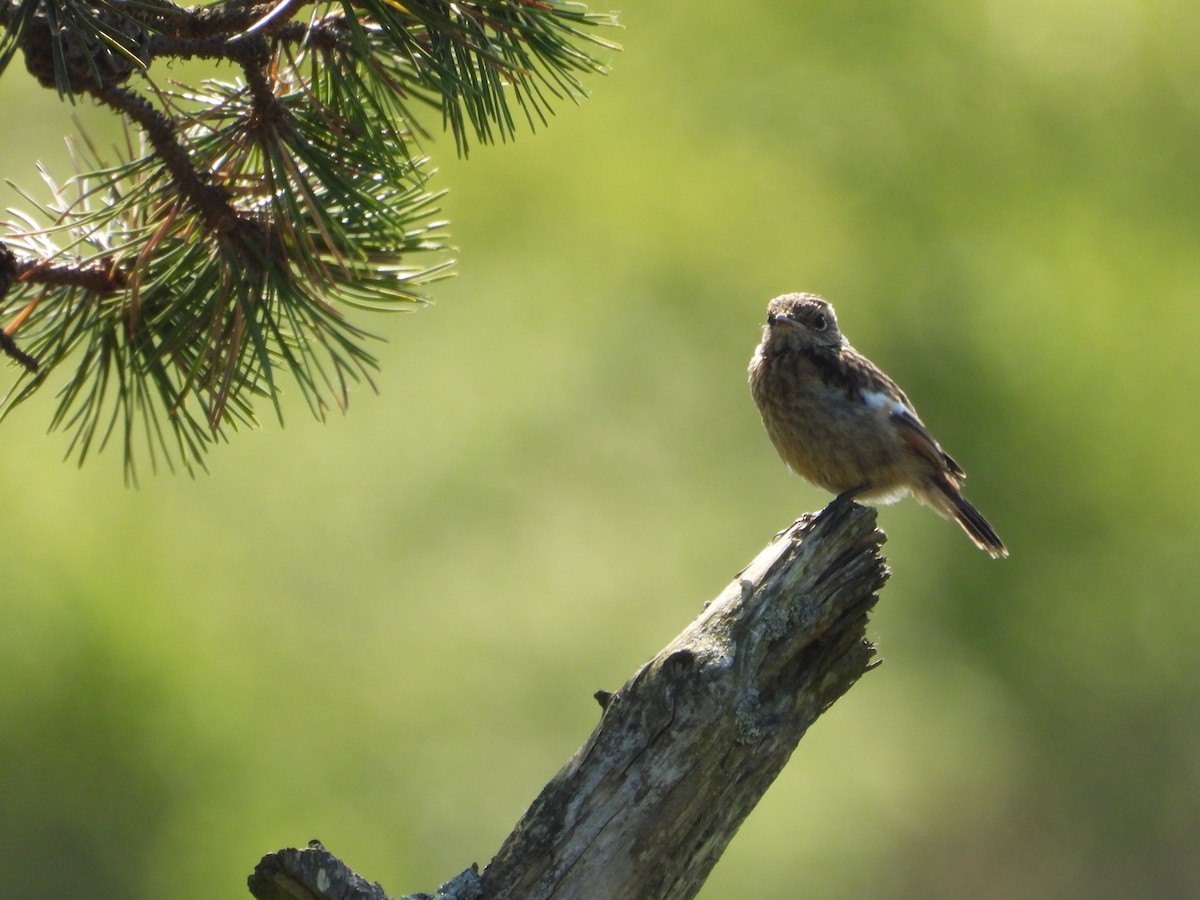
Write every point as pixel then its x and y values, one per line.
pixel 385 631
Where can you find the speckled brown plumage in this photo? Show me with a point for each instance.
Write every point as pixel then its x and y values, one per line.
pixel 840 422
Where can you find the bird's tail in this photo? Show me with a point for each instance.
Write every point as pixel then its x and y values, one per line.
pixel 946 497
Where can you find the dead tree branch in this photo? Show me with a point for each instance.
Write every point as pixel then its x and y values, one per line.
pixel 685 749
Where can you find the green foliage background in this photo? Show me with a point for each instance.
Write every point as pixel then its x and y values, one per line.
pixel 384 631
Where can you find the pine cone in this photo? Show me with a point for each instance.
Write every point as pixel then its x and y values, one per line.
pixel 87 58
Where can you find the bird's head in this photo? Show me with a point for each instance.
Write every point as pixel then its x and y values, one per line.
pixel 801 322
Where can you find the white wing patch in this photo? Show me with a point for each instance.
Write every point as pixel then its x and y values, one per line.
pixel 880 400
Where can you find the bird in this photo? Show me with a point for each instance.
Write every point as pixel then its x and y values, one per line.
pixel 837 420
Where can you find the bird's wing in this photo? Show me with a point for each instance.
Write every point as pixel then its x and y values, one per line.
pixel 916 435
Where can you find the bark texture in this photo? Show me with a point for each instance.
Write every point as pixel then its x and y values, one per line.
pixel 685 749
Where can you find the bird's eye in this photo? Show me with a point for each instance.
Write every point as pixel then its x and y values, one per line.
pixel 820 323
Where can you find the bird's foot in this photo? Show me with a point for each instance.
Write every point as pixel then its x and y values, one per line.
pixel 846 497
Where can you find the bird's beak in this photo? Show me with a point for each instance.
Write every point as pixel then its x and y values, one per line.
pixel 773 319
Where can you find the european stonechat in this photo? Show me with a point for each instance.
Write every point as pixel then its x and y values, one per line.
pixel 840 422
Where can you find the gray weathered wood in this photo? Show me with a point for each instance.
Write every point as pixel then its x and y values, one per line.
pixel 312 873
pixel 685 749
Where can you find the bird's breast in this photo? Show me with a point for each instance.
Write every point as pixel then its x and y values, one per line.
pixel 827 430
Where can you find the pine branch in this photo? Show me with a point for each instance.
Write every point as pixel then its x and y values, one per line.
pixel 244 220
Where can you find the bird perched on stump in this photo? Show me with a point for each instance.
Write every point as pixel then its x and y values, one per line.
pixel 840 422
